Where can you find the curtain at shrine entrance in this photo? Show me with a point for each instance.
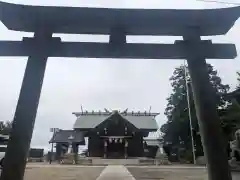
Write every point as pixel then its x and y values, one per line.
pixel 115 148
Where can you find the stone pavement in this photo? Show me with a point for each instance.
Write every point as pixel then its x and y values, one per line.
pixel 115 172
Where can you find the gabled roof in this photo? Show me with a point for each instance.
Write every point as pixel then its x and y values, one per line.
pixel 65 136
pixel 140 121
pixel 116 120
pixel 102 20
pixel 89 121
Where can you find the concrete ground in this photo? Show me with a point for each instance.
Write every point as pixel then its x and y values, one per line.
pixel 70 172
pixel 172 173
pixel 62 173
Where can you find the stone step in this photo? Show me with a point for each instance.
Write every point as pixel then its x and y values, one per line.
pixel 115 161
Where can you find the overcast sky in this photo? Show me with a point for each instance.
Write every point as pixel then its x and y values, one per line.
pixel 101 83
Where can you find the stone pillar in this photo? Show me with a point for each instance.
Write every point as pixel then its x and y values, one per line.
pixel 24 118
pixel 204 99
pixel 70 148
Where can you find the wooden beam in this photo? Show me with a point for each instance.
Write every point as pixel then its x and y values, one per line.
pixel 126 51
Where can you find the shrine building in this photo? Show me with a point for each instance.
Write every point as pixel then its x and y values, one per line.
pixel 110 134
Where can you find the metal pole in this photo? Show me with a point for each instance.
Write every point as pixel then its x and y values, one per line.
pixel 189 113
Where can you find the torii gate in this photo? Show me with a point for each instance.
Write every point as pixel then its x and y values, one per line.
pixel 44 21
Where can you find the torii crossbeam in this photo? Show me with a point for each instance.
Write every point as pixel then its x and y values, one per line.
pixel 118 23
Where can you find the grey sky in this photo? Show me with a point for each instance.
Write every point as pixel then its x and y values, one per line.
pixel 101 83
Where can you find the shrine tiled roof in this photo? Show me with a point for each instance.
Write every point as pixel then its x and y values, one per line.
pixel 139 120
pixel 63 136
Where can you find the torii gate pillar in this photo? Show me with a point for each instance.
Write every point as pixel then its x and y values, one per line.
pixel 206 110
pixel 24 119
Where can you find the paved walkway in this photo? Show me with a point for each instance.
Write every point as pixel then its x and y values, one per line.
pixel 115 172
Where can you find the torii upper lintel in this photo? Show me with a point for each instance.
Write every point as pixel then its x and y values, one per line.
pixel 78 20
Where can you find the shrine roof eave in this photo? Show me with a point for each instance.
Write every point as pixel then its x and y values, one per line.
pixel 89 129
pixel 82 20
pixel 63 136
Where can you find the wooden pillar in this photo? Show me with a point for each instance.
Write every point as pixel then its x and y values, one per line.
pixel 126 149
pixel 70 148
pixel 105 148
pixel 51 157
pixel 58 152
pixel 75 151
pixel 209 123
pixel 24 118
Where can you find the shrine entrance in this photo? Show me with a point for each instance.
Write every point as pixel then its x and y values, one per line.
pixel 118 23
pixel 116 148
pixel 116 136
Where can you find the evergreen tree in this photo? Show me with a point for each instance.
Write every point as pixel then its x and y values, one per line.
pixel 238 79
pixel 230 115
pixel 177 128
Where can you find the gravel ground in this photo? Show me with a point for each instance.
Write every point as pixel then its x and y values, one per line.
pixel 172 174
pixel 168 174
pixel 62 173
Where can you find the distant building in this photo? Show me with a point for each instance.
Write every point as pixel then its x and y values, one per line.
pixel 3 146
pixel 110 134
pixel 4 139
pixel 66 139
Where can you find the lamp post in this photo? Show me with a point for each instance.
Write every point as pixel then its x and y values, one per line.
pixel 187 83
